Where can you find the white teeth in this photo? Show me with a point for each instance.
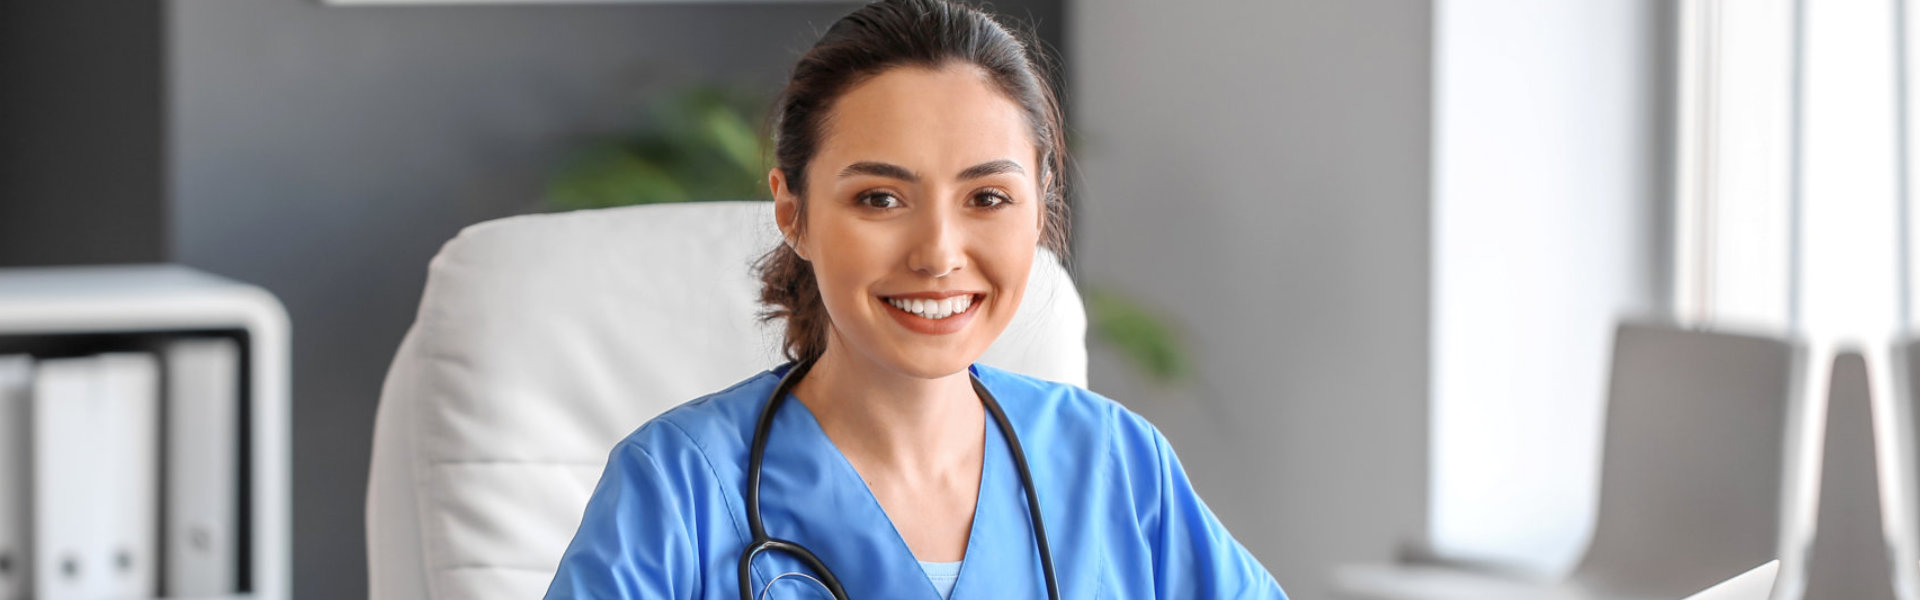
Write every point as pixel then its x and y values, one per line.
pixel 934 309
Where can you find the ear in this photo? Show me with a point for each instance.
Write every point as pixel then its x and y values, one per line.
pixel 1046 185
pixel 786 211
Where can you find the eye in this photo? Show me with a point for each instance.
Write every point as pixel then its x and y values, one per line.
pixel 879 199
pixel 991 199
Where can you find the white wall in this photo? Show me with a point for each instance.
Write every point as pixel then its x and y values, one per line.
pixel 1260 171
pixel 1548 187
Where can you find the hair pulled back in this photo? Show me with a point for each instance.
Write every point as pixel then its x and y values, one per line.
pixel 877 37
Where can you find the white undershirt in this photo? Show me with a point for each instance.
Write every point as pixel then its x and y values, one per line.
pixel 943 574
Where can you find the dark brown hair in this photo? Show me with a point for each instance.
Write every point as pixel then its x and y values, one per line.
pixel 877 37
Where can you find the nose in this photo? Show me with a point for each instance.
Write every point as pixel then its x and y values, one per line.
pixel 938 246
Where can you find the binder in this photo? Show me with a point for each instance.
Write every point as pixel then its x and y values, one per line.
pixel 95 477
pixel 16 390
pixel 63 456
pixel 202 399
pixel 129 534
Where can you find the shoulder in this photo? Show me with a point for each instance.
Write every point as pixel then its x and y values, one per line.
pixel 1059 404
pixel 1088 423
pixel 1051 394
pixel 692 457
pixel 713 428
pixel 665 505
pixel 1086 441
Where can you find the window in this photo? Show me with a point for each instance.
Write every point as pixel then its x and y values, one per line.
pixel 1750 252
pixel 1785 215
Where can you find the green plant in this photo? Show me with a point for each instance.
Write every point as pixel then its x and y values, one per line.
pixel 1140 334
pixel 699 145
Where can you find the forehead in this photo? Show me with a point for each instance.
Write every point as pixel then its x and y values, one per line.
pixel 938 120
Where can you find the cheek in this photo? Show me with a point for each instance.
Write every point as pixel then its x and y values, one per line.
pixel 846 261
pixel 1007 261
pixel 1009 272
pixel 1008 245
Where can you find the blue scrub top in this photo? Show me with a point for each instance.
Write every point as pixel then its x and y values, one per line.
pixel 667 519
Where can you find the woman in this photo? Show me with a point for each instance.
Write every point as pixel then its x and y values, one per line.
pixel 918 152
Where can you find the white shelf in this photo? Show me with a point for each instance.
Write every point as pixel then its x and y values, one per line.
pixel 160 298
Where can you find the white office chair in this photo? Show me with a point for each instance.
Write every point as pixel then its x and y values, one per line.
pixel 1690 486
pixel 542 340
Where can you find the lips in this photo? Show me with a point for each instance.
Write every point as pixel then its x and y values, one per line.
pixel 934 309
pixel 933 313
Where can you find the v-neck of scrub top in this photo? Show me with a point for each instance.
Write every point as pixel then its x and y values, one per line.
pixel 943 575
pixel 811 494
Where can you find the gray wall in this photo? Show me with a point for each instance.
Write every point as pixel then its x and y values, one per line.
pixel 1260 171
pixel 326 153
pixel 80 126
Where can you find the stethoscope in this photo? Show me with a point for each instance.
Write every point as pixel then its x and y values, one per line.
pixel 761 542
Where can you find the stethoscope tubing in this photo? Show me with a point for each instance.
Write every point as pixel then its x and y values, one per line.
pixel 762 542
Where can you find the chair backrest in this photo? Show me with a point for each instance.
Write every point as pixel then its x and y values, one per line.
pixel 1902 371
pixel 1849 558
pixel 542 340
pixel 1691 469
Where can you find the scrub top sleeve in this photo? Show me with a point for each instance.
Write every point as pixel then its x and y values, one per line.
pixel 1194 555
pixel 633 541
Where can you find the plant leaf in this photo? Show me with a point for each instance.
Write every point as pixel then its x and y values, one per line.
pixel 1138 333
pixel 731 133
pixel 613 177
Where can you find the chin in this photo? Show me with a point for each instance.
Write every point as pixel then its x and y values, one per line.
pixel 933 363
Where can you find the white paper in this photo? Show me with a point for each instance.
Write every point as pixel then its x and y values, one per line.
pixel 1756 584
pixel 16 394
pixel 203 399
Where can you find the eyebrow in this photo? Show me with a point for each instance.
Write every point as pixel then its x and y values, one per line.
pixel 880 169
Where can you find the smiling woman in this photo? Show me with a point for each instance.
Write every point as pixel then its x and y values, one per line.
pixel 918 152
pixel 881 230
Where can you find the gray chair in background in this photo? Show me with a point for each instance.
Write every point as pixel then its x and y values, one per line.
pixel 1850 556
pixel 1897 381
pixel 1692 479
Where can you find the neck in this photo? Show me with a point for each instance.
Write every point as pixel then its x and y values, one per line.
pixel 906 425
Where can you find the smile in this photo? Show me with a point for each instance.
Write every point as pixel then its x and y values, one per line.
pixel 934 309
pixel 934 313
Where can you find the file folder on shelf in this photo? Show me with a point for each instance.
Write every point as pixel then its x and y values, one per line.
pixel 95 474
pixel 148 304
pixel 16 390
pixel 130 385
pixel 203 417
pixel 63 465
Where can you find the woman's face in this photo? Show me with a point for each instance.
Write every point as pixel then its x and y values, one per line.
pixel 923 212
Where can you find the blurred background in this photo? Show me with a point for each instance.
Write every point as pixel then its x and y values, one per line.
pixel 1361 260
